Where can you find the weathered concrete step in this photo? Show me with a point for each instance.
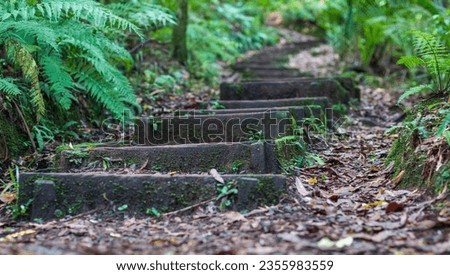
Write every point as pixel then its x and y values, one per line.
pixel 55 195
pixel 228 158
pixel 237 127
pixel 338 90
pixel 274 103
pixel 272 54
pixel 259 66
pixel 273 73
pixel 298 112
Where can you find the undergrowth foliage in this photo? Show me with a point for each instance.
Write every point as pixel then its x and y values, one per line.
pixel 377 30
pixel 434 56
pixel 55 52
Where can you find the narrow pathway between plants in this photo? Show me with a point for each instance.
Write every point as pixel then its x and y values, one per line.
pixel 348 205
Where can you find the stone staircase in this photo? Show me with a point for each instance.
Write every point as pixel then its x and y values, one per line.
pixel 168 169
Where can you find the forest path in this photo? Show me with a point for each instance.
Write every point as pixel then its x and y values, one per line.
pixel 348 205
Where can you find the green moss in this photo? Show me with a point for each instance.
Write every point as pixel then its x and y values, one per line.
pixel 441 178
pixel 16 142
pixel 340 109
pixel 288 150
pixel 267 193
pixel 409 156
pixel 85 145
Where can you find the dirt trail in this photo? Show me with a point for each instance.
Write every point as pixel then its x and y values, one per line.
pixel 347 206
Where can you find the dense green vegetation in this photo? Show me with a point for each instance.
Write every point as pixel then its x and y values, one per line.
pixel 377 36
pixel 66 61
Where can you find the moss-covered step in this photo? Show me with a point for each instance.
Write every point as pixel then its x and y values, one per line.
pixel 298 112
pixel 217 128
pixel 54 195
pixel 279 52
pixel 12 141
pixel 231 158
pixel 280 73
pixel 250 66
pixel 273 103
pixel 338 90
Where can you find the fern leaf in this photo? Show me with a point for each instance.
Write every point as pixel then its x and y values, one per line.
pixel 60 81
pixel 143 14
pixel 411 61
pixel 414 90
pixel 7 85
pixel 29 32
pixel 22 58
pixel 87 10
pixel 89 80
pixel 444 124
pixel 113 75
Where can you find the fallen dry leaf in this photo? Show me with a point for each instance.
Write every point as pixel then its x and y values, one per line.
pixel 115 235
pixel 394 207
pixel 312 181
pixel 11 237
pixel 372 204
pixel 344 242
pixel 396 181
pixel 300 188
pixel 216 176
pixel 327 243
pixel 8 197
pixel 234 216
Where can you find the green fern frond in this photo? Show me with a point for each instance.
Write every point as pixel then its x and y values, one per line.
pixel 86 40
pixel 60 80
pixel 144 14
pixel 87 10
pixel 7 85
pixel 444 124
pixel 436 58
pixel 89 80
pixel 113 75
pixel 20 56
pixel 411 61
pixel 29 32
pixel 415 90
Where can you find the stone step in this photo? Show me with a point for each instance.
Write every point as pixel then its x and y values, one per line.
pixel 277 53
pixel 273 73
pixel 55 195
pixel 259 66
pixel 235 127
pixel 338 90
pixel 274 103
pixel 227 158
pixel 298 112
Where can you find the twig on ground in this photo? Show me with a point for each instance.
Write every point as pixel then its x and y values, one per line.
pixel 188 208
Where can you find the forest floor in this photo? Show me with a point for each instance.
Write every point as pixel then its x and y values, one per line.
pixel 350 205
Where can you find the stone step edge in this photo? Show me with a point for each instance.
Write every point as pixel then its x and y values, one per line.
pixel 251 157
pixel 338 90
pixel 55 195
pixel 272 103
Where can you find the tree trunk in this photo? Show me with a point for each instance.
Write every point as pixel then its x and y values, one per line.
pixel 179 33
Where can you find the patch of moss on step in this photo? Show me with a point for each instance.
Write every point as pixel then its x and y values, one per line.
pixel 288 150
pixel 267 192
